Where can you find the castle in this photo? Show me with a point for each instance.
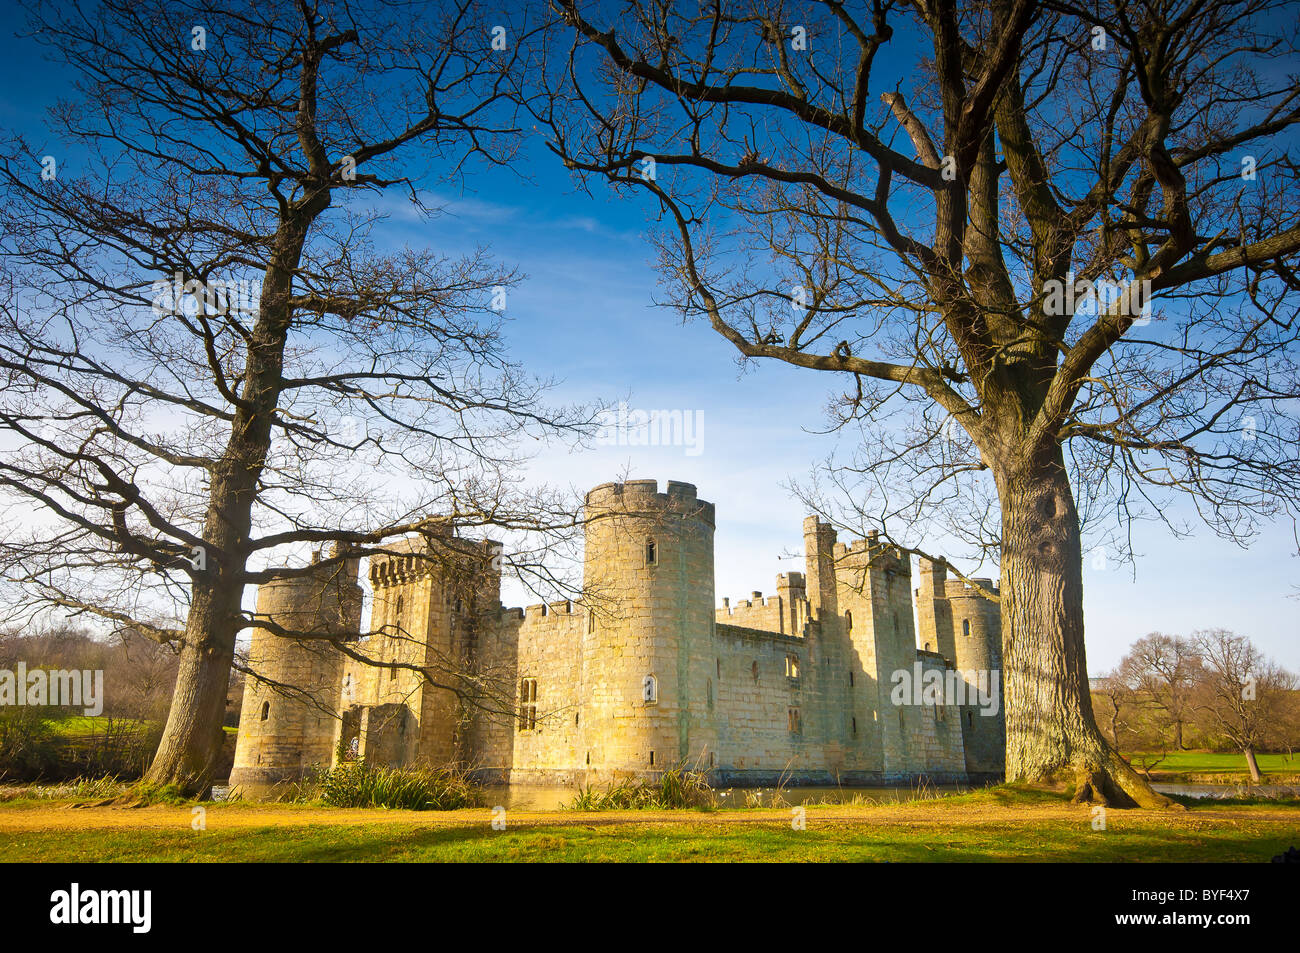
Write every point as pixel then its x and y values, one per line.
pixel 643 674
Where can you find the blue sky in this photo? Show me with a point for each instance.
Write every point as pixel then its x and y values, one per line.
pixel 585 315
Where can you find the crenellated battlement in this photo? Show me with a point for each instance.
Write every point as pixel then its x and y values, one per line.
pixel 957 589
pixel 388 571
pixel 643 496
pixel 547 611
pixel 436 553
pixel 871 551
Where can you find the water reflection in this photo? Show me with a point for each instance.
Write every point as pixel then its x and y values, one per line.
pixel 521 797
pixel 524 798
pixel 1230 790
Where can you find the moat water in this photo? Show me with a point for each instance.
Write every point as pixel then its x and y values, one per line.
pixel 525 798
pixel 520 797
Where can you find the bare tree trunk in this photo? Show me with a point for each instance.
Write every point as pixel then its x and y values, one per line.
pixel 1252 764
pixel 1051 728
pixel 191 742
pixel 192 738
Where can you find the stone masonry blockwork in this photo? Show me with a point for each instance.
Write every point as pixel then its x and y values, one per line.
pixel 642 674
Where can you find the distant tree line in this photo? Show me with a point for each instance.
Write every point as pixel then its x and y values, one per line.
pixel 1212 690
pixel 45 742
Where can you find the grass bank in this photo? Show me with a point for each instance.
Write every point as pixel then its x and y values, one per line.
pixel 997 824
pixel 1216 767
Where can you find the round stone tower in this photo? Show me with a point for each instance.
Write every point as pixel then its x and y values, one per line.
pixel 977 647
pixel 648 647
pixel 282 735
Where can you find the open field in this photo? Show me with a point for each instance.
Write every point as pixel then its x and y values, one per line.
pixel 997 824
pixel 1216 766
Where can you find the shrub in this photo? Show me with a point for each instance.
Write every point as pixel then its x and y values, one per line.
pixel 357 784
pixel 38 744
pixel 675 789
pixel 29 746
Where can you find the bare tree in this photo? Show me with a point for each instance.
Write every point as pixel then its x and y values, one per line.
pixel 964 211
pixel 1163 671
pixel 1282 733
pixel 1245 692
pixel 1117 698
pixel 208 362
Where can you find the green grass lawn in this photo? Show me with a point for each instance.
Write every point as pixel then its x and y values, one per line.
pixel 996 825
pixel 1208 762
pixel 78 726
pixel 697 840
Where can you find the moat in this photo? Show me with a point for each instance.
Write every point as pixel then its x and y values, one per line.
pixel 522 797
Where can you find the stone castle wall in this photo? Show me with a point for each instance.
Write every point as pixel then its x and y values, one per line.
pixel 550 749
pixel 646 673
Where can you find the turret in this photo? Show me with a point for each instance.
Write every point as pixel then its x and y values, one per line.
pixel 875 600
pixel 819 560
pixel 282 735
pixel 977 635
pixel 933 613
pixel 648 646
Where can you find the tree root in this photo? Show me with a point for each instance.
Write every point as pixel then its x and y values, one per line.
pixel 1115 784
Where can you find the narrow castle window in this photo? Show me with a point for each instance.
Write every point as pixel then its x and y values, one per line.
pixel 795 723
pixel 850 678
pixel 266 710
pixel 853 725
pixel 708 692
pixel 719 661
pixel 651 553
pixel 652 759
pixel 970 719
pixel 848 622
pixel 527 704
pixel 754 669
pixel 792 666
pixel 650 690
pixel 397 614
pixel 965 627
